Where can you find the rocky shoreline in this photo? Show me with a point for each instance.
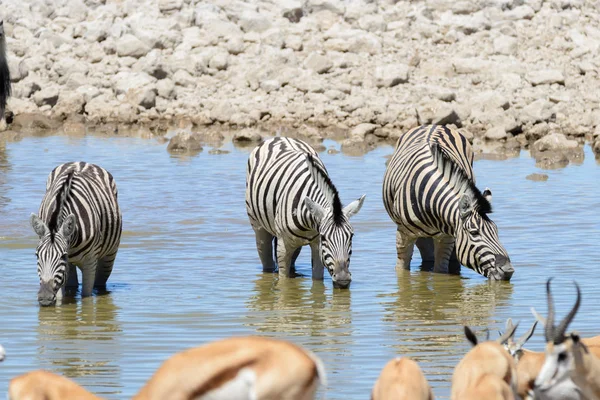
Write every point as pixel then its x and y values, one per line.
pixel 511 74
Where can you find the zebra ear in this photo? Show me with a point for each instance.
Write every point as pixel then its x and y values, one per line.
pixel 465 205
pixel 38 225
pixel 354 207
pixel 317 211
pixel 68 226
pixel 487 194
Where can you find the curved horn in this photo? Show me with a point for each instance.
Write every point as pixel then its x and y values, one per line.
pixel 549 326
pixel 523 339
pixel 559 333
pixel 508 334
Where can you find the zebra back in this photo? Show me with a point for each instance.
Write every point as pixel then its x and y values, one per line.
pixel 90 193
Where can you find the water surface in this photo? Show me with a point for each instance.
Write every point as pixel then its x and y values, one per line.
pixel 187 271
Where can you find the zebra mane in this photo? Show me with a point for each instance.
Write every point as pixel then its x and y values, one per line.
pixel 329 190
pixel 61 197
pixel 459 179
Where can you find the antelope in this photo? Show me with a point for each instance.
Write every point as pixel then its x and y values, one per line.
pixel 528 362
pixel 568 357
pixel 401 379
pixel 44 385
pixel 486 367
pixel 238 368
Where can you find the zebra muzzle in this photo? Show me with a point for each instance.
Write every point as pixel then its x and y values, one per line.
pixel 503 269
pixel 341 276
pixel 46 296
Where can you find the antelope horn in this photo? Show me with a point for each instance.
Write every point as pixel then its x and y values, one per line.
pixel 509 324
pixel 508 334
pixel 523 339
pixel 538 317
pixel 549 328
pixel 559 333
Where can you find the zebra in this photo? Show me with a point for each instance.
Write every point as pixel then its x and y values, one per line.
pixel 5 85
pixel 79 224
pixel 291 201
pixel 429 192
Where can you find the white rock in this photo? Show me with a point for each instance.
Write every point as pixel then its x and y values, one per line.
pixel 130 45
pixel 520 12
pixel 555 141
pixel 470 65
pixel 391 75
pixel 546 77
pixel 363 130
pixel 538 111
pixel 166 88
pixel 496 133
pixel 335 6
pixel 69 103
pixel 254 22
pixel 236 45
pixel 183 78
pixel 270 85
pixel 294 42
pixel 142 96
pixel 318 63
pixel 185 142
pixel 219 61
pixel 167 6
pixel 17 69
pixel 46 96
pixel 292 10
pixel 124 81
pixel 373 23
pixel 505 45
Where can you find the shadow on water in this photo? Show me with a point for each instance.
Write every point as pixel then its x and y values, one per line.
pixel 301 307
pixel 79 339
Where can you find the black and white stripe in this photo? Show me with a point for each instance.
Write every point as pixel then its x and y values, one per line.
pixel 290 198
pixel 5 83
pixel 79 224
pixel 429 192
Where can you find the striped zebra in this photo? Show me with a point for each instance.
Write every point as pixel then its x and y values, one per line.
pixel 429 192
pixel 79 224
pixel 291 201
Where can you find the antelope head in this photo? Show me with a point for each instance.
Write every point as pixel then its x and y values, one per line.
pixel 559 364
pixel 515 348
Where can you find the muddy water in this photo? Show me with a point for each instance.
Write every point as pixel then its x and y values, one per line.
pixel 188 272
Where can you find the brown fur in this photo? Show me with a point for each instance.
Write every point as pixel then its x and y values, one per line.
pixel 488 387
pixel 283 370
pixel 401 379
pixel 44 385
pixel 530 363
pixel 487 358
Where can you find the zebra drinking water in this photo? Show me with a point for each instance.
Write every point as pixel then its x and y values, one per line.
pixel 79 224
pixel 429 192
pixel 290 198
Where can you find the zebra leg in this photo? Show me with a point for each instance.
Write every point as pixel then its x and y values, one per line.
pixel 426 248
pixel 317 264
pixel 72 281
pixel 104 269
pixel 264 245
pixel 405 246
pixel 285 254
pixel 88 276
pixel 295 257
pixel 444 246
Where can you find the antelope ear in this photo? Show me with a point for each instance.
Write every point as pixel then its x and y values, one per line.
pixel 354 207
pixel 465 206
pixel 317 211
pixel 470 336
pixel 68 226
pixel 38 225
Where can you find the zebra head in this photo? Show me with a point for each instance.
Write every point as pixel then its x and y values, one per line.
pixel 477 244
pixel 52 256
pixel 333 222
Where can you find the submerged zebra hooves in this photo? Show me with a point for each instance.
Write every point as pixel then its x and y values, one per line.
pixel 429 191
pixel 290 198
pixel 79 224
pixel 5 85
